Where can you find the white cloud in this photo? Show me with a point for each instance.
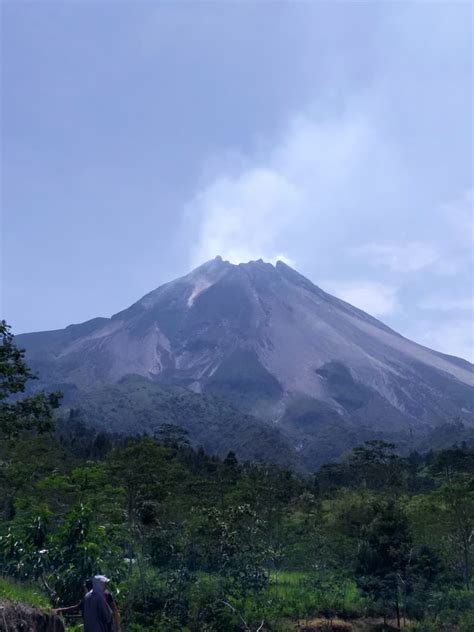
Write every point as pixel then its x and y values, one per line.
pixel 449 251
pixel 240 217
pixel 247 215
pixel 438 302
pixel 455 222
pixel 455 337
pixel 459 215
pixel 376 299
pixel 408 257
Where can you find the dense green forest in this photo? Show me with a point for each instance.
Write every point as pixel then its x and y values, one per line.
pixel 194 542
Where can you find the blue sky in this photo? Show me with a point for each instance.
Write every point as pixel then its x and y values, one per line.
pixel 140 139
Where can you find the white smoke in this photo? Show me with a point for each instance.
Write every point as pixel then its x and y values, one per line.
pixel 251 213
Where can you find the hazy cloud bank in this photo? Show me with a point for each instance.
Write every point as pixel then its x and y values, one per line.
pixel 263 210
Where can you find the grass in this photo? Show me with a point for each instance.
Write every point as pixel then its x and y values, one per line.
pixel 293 596
pixel 332 593
pixel 290 597
pixel 22 593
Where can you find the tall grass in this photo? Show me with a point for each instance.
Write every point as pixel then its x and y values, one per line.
pixel 30 595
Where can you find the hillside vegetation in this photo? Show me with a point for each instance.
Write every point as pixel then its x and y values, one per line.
pixel 196 542
pixel 136 405
pixel 309 435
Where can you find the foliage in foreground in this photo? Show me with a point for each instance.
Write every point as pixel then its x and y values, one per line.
pixel 194 542
pixel 197 543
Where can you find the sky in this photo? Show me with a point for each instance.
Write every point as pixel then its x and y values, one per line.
pixel 142 139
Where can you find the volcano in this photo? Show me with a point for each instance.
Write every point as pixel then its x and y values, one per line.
pixel 272 345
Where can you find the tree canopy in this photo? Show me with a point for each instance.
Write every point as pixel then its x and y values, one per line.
pixel 17 415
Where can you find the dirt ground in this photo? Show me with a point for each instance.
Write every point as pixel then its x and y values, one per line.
pixel 21 618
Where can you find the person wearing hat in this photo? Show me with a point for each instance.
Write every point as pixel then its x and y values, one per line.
pixel 96 612
pixel 98 608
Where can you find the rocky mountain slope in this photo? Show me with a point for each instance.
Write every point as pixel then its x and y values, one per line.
pixel 271 343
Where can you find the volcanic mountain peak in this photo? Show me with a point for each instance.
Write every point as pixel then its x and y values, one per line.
pixel 269 341
pixel 190 286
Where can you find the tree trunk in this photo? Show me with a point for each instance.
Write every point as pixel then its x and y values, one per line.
pixel 397 605
pixel 467 563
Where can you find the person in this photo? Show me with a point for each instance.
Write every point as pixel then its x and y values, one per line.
pixel 110 602
pixel 97 614
pixel 97 607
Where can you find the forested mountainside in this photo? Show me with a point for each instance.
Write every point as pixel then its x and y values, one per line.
pixel 137 405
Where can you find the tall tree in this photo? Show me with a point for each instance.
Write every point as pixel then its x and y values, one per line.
pixel 34 413
pixel 384 556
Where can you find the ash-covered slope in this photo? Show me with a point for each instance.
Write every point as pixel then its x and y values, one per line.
pixel 273 344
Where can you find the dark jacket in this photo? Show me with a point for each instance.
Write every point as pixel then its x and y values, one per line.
pixel 97 614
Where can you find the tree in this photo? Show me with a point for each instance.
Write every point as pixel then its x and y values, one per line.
pixel 34 413
pixel 453 465
pixel 376 465
pixel 172 435
pixel 444 518
pixel 231 460
pixel 384 556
